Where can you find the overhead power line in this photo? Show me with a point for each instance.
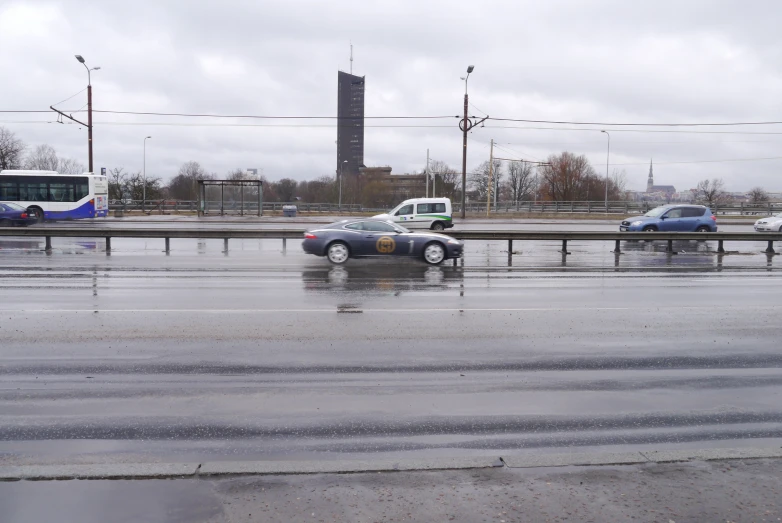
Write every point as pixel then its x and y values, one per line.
pixel 554 122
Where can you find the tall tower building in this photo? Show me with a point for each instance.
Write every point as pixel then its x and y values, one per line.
pixel 650 181
pixel 350 122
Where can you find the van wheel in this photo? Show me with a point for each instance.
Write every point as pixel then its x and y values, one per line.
pixel 438 226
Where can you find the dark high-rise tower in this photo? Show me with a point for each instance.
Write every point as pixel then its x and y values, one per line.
pixel 350 123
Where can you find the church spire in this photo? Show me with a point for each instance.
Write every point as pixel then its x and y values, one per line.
pixel 650 181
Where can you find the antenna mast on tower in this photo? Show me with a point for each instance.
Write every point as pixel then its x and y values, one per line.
pixel 351 57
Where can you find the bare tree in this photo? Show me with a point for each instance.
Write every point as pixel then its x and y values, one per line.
pixel 184 186
pixel 42 158
pixel 521 180
pixel 117 183
pixel 11 150
pixel 711 192
pixel 758 195
pixel 446 181
pixel 133 187
pixel 71 166
pixel 479 179
pixel 567 177
pixel 285 189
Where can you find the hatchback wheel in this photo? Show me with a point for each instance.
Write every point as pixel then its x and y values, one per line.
pixel 338 253
pixel 650 228
pixel 434 253
pixel 702 228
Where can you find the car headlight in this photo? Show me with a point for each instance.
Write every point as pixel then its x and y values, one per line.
pixel 454 241
pixel 639 222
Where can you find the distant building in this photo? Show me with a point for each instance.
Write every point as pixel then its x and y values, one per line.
pixel 395 187
pixel 350 123
pixel 667 190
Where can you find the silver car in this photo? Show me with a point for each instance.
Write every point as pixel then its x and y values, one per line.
pixel 770 224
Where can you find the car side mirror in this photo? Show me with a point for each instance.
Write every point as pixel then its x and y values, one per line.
pixel 663 217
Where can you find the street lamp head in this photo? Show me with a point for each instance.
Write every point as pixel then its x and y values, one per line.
pixel 470 68
pixel 80 58
pixel 96 68
pixel 148 137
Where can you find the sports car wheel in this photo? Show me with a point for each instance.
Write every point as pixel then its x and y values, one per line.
pixel 434 253
pixel 338 253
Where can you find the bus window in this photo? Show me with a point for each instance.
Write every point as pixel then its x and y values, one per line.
pixel 33 192
pixel 61 192
pixel 82 190
pixel 9 191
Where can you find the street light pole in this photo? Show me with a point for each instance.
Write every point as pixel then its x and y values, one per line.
pixel 341 175
pixel 144 189
pixel 608 155
pixel 89 107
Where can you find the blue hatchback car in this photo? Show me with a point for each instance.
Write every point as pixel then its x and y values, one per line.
pixel 673 218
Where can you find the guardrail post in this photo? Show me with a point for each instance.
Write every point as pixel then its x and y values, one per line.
pixel 168 245
pixel 284 245
pixel 564 248
pixel 670 246
pixel 225 245
pixel 770 248
pixel 108 244
pixel 48 246
pixel 589 207
pixel 617 247
pixel 720 248
pixel 510 252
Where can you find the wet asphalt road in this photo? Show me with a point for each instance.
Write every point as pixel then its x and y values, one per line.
pixel 260 354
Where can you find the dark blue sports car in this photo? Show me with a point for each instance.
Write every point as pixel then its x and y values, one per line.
pixel 14 214
pixel 374 237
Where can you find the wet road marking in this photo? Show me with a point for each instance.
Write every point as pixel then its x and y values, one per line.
pixel 405 310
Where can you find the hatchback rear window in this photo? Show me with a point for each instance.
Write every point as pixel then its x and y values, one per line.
pixel 691 212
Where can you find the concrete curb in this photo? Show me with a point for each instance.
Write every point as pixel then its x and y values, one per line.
pixel 249 468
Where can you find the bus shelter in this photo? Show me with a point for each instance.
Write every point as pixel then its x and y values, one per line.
pixel 230 197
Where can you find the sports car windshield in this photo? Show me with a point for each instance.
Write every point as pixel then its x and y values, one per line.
pixel 656 212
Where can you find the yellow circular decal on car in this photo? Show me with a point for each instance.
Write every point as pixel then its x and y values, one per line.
pixel 385 245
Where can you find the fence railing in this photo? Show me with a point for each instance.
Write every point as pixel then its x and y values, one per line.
pixel 629 208
pixel 597 207
pixel 212 207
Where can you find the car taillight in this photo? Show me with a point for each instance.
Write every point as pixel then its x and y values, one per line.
pixel 24 215
pixel 310 236
pixel 713 217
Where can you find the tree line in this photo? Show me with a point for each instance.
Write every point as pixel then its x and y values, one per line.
pixel 561 177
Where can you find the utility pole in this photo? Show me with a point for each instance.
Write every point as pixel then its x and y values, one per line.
pixel 608 155
pixel 88 125
pixel 426 173
pixel 465 125
pixel 491 172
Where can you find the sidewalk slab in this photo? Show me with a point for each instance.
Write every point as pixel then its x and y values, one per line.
pixel 99 471
pixel 224 468
pixel 565 460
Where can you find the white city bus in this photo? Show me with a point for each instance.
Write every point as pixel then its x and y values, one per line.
pixel 51 196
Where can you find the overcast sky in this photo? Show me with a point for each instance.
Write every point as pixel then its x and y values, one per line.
pixel 682 61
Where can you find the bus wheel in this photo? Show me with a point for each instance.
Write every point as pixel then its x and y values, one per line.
pixel 37 212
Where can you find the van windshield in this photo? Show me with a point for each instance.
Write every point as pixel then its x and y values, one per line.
pixel 656 212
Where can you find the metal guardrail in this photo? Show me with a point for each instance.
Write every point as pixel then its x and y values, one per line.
pixel 284 234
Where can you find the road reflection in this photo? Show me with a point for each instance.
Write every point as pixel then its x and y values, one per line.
pixel 377 276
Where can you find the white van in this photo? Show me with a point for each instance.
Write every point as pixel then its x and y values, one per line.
pixel 422 213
